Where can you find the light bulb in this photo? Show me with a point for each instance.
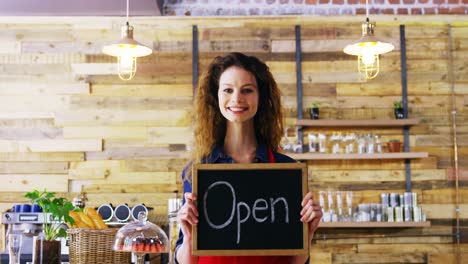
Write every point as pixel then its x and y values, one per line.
pixel 368 58
pixel 127 64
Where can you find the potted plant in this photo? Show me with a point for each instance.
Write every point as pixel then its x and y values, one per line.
pixel 394 145
pixel 398 110
pixel 314 111
pixel 47 249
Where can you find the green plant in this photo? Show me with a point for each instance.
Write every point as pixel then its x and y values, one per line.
pixel 315 105
pixel 394 140
pixel 397 104
pixel 58 208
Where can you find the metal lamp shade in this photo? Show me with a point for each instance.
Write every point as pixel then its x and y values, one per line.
pixel 368 43
pixel 127 45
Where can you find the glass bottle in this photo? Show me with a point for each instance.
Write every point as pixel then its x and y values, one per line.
pixel 378 144
pixel 361 144
pixel 173 207
pixel 370 144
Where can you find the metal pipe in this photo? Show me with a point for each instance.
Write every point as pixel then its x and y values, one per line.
pixel 299 98
pixel 455 143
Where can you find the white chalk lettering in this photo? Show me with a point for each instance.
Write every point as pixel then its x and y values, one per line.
pixel 242 210
pixel 286 208
pixel 258 208
pixel 233 205
pixel 241 220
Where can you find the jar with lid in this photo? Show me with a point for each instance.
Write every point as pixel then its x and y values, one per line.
pixel 141 237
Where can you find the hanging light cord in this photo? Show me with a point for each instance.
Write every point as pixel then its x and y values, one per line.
pixel 367 10
pixel 128 4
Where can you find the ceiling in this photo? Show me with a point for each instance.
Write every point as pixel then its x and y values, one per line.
pixel 80 7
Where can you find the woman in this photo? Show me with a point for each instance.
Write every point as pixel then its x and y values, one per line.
pixel 238 119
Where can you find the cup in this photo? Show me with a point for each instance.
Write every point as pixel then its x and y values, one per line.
pixel 106 211
pixel 25 208
pixel 122 212
pixel 35 208
pixel 14 248
pixel 138 208
pixel 17 208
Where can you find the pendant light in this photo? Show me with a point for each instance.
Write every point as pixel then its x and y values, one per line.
pixel 127 50
pixel 368 48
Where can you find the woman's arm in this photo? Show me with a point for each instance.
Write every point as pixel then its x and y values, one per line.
pixel 311 213
pixel 187 216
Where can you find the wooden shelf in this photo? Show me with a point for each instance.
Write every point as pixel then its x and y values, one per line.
pixel 373 224
pixel 325 156
pixel 357 123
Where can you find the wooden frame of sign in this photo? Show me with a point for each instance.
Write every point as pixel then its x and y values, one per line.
pixel 250 209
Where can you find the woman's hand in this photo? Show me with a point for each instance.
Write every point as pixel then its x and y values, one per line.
pixel 188 215
pixel 311 213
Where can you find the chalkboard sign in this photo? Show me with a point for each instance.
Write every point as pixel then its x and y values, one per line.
pixel 250 209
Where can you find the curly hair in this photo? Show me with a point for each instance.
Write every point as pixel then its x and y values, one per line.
pixel 209 123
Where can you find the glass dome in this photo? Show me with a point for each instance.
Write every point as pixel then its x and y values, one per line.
pixel 141 236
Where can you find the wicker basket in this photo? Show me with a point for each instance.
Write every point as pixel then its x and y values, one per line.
pixel 89 246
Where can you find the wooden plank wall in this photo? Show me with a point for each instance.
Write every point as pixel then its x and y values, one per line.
pixel 69 124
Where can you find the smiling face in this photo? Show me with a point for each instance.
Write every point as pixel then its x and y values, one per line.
pixel 238 95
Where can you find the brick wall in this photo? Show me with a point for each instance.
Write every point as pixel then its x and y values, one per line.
pixel 313 7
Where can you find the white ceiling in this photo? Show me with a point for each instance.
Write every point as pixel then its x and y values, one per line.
pixel 80 7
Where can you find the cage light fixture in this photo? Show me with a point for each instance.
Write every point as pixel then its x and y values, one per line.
pixel 127 50
pixel 367 49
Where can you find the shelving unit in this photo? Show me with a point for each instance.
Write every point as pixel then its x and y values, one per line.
pixel 357 123
pixel 325 156
pixel 373 224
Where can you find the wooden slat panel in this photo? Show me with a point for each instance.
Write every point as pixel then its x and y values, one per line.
pixel 134 103
pixel 27 114
pixel 10 47
pixel 143 165
pixel 68 145
pixel 132 188
pixel 33 167
pixel 35 157
pixel 444 211
pixel 105 132
pixel 40 103
pixel 120 117
pixel 27 182
pixel 323 258
pixel 62 47
pixel 42 89
pixel 137 153
pixel 446 258
pixel 410 248
pixel 444 196
pixel 159 90
pixel 42 58
pixel 19 133
pixel 140 178
pixel 380 258
pixel 145 69
pixel 94 169
pixel 170 135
